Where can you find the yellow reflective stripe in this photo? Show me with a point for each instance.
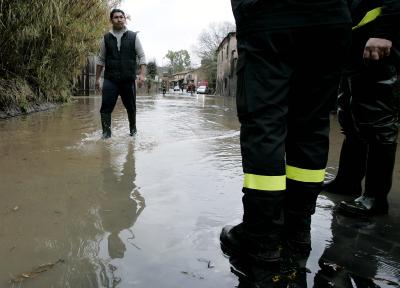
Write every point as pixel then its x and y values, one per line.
pixel 305 175
pixel 261 182
pixel 369 17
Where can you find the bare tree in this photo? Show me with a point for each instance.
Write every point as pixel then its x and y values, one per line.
pixel 114 3
pixel 207 46
pixel 210 39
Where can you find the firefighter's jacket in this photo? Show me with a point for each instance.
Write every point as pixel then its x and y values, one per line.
pixel 258 15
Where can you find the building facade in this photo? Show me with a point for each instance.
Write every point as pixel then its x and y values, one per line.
pixel 226 66
pixel 193 76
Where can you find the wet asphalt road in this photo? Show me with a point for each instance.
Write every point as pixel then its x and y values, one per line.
pixel 147 211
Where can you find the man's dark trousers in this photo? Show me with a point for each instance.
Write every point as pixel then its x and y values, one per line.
pixel 127 91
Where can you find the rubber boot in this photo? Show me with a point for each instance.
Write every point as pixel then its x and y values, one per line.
pixel 378 182
pixel 132 123
pixel 106 125
pixel 258 237
pixel 351 171
pixel 300 205
pixel 380 167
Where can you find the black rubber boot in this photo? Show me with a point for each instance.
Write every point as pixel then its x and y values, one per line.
pixel 106 125
pixel 380 167
pixel 378 182
pixel 300 205
pixel 363 207
pixel 351 171
pixel 236 241
pixel 132 123
pixel 258 237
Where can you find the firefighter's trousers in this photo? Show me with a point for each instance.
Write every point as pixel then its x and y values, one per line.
pixel 287 86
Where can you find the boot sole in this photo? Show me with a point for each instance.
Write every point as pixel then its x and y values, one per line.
pixel 353 212
pixel 229 252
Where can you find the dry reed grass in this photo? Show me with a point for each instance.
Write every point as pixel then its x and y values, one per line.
pixel 46 42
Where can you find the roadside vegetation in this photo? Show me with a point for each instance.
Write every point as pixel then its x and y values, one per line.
pixel 43 46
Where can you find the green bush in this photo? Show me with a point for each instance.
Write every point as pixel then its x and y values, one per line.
pixel 46 42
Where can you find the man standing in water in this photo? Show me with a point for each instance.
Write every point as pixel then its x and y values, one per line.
pixel 118 53
pixel 291 54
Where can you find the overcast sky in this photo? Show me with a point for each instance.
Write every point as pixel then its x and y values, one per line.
pixel 173 24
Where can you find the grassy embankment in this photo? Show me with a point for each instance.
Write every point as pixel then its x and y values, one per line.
pixel 43 45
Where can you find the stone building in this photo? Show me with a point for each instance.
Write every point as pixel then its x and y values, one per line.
pixel 179 78
pixel 226 66
pixel 195 76
pixel 198 77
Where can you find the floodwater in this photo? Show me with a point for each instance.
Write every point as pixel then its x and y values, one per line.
pixel 146 211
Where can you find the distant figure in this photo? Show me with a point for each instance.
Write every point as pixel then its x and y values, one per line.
pixel 368 109
pixel 291 55
pixel 164 88
pixel 182 87
pixel 148 86
pixel 118 52
pixel 191 88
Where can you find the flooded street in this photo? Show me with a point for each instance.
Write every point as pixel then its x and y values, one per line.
pixel 146 211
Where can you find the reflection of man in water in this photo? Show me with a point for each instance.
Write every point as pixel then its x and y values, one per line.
pixel 121 201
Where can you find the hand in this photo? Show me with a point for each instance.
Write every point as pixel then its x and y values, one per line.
pixel 97 85
pixel 377 48
pixel 141 80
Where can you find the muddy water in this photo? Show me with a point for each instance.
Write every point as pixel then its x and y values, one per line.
pixel 147 211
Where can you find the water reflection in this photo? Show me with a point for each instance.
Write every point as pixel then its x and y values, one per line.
pixel 121 202
pixel 362 253
pixel 353 257
pixel 77 198
pixel 290 272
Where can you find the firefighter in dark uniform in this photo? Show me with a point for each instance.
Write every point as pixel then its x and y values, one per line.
pixel 118 53
pixel 291 57
pixel 368 108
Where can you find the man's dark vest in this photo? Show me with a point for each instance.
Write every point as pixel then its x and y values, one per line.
pixel 120 65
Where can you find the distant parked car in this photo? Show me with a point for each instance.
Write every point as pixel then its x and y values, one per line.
pixel 202 90
pixel 176 88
